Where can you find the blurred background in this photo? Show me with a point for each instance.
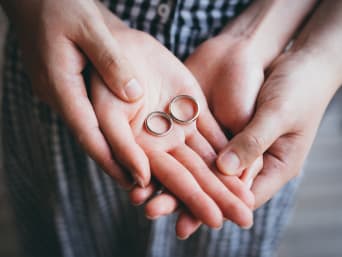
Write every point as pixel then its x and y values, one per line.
pixel 315 229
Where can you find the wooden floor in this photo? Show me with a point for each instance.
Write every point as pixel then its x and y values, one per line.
pixel 316 227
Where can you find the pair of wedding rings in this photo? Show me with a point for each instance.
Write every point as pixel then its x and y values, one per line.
pixel 172 116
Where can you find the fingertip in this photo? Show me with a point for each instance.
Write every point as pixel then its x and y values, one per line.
pixel 228 163
pixel 246 219
pixel 161 205
pixel 248 227
pixel 142 172
pixel 133 90
pixel 186 225
pixel 139 195
pixel 152 211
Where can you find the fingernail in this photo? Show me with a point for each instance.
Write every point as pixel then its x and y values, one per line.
pixel 152 218
pixel 218 228
pixel 230 163
pixel 133 90
pixel 247 227
pixel 139 180
pixel 137 203
pixel 249 183
pixel 182 238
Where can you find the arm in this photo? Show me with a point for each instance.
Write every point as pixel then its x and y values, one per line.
pixel 268 25
pixel 230 70
pixel 236 59
pixel 58 39
pixel 292 102
pixel 180 160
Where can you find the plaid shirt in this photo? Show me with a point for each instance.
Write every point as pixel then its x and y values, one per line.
pixel 180 25
pixel 65 205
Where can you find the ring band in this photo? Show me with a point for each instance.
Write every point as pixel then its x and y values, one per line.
pixel 179 120
pixel 158 114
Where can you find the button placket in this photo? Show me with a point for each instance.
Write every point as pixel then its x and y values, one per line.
pixel 164 10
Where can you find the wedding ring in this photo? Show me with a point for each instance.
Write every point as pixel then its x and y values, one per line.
pixel 173 112
pixel 163 115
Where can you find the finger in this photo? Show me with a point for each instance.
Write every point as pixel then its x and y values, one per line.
pixel 211 131
pixel 186 225
pixel 117 131
pixel 251 172
pixel 265 127
pixel 278 169
pixel 139 195
pixel 97 42
pixel 155 208
pixel 202 147
pixel 165 204
pixel 179 181
pixel 231 206
pixel 78 113
pixel 199 145
pixel 238 188
pixel 272 178
pixel 161 205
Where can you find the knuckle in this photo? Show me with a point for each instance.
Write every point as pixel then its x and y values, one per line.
pixel 209 157
pixel 193 197
pixel 254 144
pixel 108 62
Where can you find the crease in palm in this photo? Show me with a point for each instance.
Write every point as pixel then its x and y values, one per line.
pixel 184 160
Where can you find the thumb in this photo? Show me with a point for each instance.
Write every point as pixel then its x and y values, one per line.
pixel 250 143
pixel 103 50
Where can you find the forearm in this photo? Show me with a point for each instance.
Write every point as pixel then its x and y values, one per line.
pixel 320 41
pixel 269 25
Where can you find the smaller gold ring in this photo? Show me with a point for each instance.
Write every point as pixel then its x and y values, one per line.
pixel 158 114
pixel 179 120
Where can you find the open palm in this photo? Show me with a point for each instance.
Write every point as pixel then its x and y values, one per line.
pixel 180 161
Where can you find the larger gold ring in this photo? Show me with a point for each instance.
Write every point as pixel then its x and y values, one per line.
pixel 184 121
pixel 165 116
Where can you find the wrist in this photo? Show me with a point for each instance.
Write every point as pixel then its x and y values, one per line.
pixel 320 40
pixel 268 25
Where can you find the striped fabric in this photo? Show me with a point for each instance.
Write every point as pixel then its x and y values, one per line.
pixel 66 206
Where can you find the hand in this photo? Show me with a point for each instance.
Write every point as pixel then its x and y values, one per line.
pixel 291 103
pixel 230 69
pixel 57 39
pixel 177 159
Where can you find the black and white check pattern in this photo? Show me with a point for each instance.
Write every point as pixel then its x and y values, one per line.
pixel 66 206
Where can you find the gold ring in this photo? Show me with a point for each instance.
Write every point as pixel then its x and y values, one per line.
pixel 165 116
pixel 179 120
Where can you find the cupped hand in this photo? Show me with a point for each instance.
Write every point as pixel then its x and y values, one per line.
pixel 231 66
pixel 180 160
pixel 290 104
pixel 58 39
pixel 230 69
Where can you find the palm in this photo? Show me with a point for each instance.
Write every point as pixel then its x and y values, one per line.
pixel 176 160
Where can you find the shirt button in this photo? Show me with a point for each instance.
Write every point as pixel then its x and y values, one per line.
pixel 164 11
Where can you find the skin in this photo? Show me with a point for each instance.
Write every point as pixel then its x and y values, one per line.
pixel 235 62
pixel 285 145
pixel 282 128
pixel 177 159
pixel 58 80
pixel 57 44
pixel 292 101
